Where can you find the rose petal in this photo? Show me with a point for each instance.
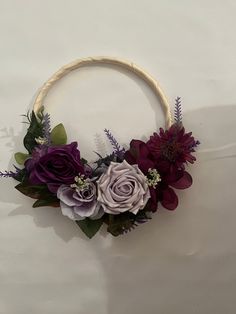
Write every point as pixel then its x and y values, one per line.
pixel 65 194
pixel 121 188
pixel 67 211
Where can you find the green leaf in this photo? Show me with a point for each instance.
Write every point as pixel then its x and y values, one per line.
pixel 53 202
pixel 125 222
pixel 21 158
pixel 90 227
pixel 41 193
pixel 58 135
pixel 84 161
pixel 33 191
pixel 21 175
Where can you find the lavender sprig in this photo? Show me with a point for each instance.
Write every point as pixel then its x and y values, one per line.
pixel 47 128
pixel 178 110
pixel 118 150
pixel 9 174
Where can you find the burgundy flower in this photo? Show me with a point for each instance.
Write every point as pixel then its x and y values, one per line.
pixel 171 176
pixel 54 166
pixel 140 154
pixel 173 145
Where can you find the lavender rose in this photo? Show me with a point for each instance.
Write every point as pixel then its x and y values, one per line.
pixel 123 187
pixel 55 165
pixel 79 200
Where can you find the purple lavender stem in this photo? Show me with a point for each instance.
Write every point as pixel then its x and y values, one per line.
pixel 118 150
pixel 47 128
pixel 178 110
pixel 9 174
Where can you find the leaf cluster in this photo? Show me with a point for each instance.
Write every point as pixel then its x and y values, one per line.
pixel 116 224
pixel 39 192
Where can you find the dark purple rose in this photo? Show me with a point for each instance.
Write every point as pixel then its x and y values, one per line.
pixel 55 165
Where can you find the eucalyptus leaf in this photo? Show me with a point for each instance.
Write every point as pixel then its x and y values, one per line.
pixel 21 158
pixel 90 227
pixel 58 135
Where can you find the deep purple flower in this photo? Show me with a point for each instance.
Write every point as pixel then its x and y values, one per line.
pixel 55 165
pixel 173 145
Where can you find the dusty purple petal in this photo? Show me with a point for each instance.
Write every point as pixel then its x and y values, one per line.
pixel 122 188
pixel 65 194
pixel 78 203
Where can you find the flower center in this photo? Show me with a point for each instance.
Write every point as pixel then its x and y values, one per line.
pixel 153 178
pixel 171 150
pixel 81 182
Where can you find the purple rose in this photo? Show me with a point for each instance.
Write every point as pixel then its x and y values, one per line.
pixel 79 201
pixel 123 187
pixel 55 165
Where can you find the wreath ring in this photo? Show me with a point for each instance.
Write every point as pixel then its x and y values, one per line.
pixel 122 189
pixel 130 66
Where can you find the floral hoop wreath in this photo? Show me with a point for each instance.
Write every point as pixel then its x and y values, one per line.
pixel 121 189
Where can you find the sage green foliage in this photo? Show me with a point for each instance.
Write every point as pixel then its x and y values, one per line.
pixel 21 158
pixel 58 135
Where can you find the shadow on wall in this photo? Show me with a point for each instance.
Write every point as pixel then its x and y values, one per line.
pixel 165 258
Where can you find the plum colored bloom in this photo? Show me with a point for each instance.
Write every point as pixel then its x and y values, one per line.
pixel 54 165
pixel 123 187
pixel 139 154
pixel 170 175
pixel 173 145
pixel 79 201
